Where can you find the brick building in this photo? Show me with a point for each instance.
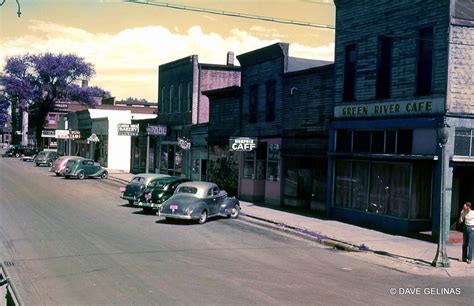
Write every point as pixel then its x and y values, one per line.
pixel 403 69
pixel 182 106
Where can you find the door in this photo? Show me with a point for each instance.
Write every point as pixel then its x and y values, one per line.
pixel 216 200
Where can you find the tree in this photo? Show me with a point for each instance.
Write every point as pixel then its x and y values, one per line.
pixel 37 82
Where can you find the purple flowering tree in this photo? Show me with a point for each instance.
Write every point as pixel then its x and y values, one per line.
pixel 37 82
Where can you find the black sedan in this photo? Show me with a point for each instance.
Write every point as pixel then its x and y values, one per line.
pixel 157 192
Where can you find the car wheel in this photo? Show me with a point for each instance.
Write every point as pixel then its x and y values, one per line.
pixel 50 164
pixel 37 164
pixel 130 202
pixel 104 175
pixel 203 217
pixel 17 155
pixel 81 175
pixel 57 174
pixel 235 212
pixel 66 176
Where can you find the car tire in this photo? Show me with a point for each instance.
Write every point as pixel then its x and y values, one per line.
pixel 81 175
pixel 203 217
pixel 104 175
pixel 57 174
pixel 17 155
pixel 130 202
pixel 235 212
pixel 37 164
pixel 50 164
pixel 66 176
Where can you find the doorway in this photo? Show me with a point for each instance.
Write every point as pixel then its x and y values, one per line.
pixel 463 190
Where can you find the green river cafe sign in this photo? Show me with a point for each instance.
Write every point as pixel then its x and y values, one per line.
pixel 404 108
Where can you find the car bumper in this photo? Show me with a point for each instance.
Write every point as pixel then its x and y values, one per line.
pixel 174 216
pixel 129 198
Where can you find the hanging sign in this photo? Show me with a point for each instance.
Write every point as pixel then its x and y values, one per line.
pixel 156 130
pixel 93 138
pixel 125 129
pixel 184 143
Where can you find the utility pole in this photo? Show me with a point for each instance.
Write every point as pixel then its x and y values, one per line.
pixel 147 163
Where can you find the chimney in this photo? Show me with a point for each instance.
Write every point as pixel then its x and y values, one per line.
pixel 230 58
pixel 85 84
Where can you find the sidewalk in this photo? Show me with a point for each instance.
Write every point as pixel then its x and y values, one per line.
pixel 350 237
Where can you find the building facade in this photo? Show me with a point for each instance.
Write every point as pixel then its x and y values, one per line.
pixel 262 116
pixel 403 71
pixel 182 106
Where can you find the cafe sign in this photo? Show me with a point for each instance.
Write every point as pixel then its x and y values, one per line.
pixel 242 144
pixel 156 130
pixel 48 133
pixel 125 129
pixel 403 108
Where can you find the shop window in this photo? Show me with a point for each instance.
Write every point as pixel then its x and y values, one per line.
pixel 390 141
pixel 164 159
pixel 425 61
pixel 253 103
pixel 171 96
pixel 249 165
pixel 162 104
pixel 377 144
pixel 396 189
pixel 344 141
pixel 404 141
pixel 462 142
pixel 178 161
pixel 189 97
pixel 361 141
pixel 270 103
pixel 384 67
pixel 350 61
pixel 273 173
pixel 180 96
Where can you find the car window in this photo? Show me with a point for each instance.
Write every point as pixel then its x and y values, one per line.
pixel 215 191
pixel 138 180
pixel 209 192
pixel 187 189
pixel 158 183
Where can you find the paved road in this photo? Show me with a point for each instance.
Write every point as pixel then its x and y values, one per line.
pixel 75 242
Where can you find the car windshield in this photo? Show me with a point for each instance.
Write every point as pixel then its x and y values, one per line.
pixel 187 189
pixel 41 154
pixel 71 162
pixel 138 180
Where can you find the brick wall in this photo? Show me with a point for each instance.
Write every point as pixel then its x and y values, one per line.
pixel 362 21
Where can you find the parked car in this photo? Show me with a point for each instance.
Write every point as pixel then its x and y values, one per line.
pixel 138 183
pixel 199 201
pixel 59 165
pixel 46 158
pixel 29 154
pixel 81 168
pixel 158 191
pixel 14 151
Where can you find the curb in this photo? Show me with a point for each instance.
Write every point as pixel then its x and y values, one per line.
pixel 117 180
pixel 320 238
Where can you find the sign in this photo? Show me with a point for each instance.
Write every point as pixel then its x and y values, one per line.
pixel 93 138
pixel 404 108
pixel 48 134
pixel 61 134
pixel 74 134
pixel 184 143
pixel 242 144
pixel 125 129
pixel 157 130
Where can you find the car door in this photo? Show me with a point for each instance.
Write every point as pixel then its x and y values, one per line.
pixel 217 198
pixel 88 166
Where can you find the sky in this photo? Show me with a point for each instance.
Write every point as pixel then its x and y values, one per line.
pixel 126 42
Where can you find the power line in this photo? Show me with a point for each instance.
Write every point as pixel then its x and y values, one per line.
pixel 233 14
pixel 17 4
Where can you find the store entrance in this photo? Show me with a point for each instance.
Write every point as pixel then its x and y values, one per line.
pixel 463 190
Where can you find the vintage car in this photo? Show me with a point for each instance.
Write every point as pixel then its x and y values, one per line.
pixel 45 158
pixel 158 191
pixel 199 201
pixel 81 168
pixel 29 154
pixel 138 183
pixel 14 151
pixel 59 165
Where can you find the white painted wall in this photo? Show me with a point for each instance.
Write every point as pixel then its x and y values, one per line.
pixel 119 146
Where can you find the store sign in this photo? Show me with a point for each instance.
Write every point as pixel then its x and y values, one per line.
pixel 61 134
pixel 242 144
pixel 184 143
pixel 48 134
pixel 157 130
pixel 93 138
pixel 74 134
pixel 405 108
pixel 125 129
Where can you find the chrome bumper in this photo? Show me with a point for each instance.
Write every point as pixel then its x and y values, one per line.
pixel 173 216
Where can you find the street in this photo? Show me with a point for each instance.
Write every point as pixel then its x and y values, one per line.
pixel 76 242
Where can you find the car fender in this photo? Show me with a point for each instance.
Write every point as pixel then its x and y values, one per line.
pixel 229 202
pixel 195 209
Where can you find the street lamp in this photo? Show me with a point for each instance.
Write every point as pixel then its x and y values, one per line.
pixel 441 259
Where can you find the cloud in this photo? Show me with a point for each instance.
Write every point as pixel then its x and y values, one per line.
pixel 126 62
